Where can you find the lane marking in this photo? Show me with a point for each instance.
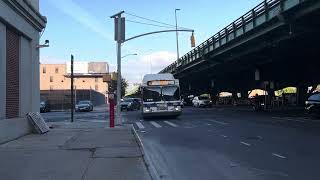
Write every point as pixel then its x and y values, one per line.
pixel 223 136
pixel 97 121
pixel 155 124
pixel 288 119
pixel 171 124
pixel 244 143
pixel 139 124
pixel 279 156
pixel 219 122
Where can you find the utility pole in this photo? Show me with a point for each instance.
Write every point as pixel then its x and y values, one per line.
pixel 175 13
pixel 72 100
pixel 119 37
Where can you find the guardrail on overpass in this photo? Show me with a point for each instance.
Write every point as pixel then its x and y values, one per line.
pixel 259 15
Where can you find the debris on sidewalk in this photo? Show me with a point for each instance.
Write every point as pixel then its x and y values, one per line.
pixel 38 123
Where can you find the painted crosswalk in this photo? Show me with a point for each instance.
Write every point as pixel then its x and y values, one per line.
pixel 171 124
pixel 139 124
pixel 155 124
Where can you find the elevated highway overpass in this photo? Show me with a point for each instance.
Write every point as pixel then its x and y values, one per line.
pixel 274 45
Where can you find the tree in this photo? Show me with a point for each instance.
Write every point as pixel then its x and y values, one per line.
pixel 112 87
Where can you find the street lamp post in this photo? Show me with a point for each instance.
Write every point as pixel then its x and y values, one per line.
pixel 134 54
pixel 175 13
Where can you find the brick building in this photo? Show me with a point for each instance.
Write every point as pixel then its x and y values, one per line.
pixel 55 83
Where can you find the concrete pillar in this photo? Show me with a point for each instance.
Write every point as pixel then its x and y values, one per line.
pixel 302 94
pixel 35 71
pixel 244 94
pixel 2 71
pixel 25 77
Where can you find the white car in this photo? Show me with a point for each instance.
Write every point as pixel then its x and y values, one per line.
pixel 201 101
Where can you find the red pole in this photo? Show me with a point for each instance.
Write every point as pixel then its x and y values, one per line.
pixel 111 111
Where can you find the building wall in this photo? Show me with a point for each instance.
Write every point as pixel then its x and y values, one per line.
pixel 24 20
pixel 2 70
pixel 34 4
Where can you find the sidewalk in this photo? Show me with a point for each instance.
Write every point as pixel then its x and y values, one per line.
pixel 74 151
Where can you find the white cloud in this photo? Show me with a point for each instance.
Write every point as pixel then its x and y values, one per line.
pixel 82 16
pixel 134 69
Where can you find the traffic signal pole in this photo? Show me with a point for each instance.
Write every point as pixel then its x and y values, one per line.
pixel 120 38
pixel 72 98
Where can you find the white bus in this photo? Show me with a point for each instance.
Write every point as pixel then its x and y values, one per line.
pixel 160 95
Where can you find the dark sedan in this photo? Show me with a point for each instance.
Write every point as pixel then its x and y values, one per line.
pixel 313 104
pixel 44 107
pixel 129 104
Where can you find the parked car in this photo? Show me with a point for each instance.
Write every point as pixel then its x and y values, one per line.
pixel 129 104
pixel 202 101
pixel 187 101
pixel 84 106
pixel 44 107
pixel 313 104
pixel 138 101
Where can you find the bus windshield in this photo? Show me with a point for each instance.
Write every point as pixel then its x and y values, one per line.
pixel 151 94
pixel 170 93
pixel 165 93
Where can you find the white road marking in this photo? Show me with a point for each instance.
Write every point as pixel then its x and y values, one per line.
pixel 219 122
pixel 139 124
pixel 97 121
pixel 171 124
pixel 155 124
pixel 288 119
pixel 244 143
pixel 223 136
pixel 278 155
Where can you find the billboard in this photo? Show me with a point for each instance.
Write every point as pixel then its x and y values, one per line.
pixel 78 67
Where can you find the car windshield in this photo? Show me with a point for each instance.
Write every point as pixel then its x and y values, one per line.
pixel 127 100
pixel 84 102
pixel 151 94
pixel 203 98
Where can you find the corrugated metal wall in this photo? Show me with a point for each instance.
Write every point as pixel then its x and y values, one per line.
pixel 12 74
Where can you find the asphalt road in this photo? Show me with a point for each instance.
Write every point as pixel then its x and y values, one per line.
pixel 99 114
pixel 226 143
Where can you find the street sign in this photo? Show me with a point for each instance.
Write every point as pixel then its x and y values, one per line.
pixel 121 30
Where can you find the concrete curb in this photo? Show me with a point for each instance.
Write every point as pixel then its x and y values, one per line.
pixel 150 167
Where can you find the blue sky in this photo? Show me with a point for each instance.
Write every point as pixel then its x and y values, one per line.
pixel 83 28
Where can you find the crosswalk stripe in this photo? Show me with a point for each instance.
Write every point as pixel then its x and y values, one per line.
pixel 171 124
pixel 139 124
pixel 155 124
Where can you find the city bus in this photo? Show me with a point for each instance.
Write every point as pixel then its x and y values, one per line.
pixel 160 95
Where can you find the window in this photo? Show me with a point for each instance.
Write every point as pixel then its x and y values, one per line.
pixel 97 79
pixel 83 81
pixel 96 87
pixel 57 70
pixel 44 70
pixel 51 79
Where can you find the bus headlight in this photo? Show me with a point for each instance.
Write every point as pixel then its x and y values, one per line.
pixel 147 110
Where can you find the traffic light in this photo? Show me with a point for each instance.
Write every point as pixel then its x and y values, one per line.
pixel 193 41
